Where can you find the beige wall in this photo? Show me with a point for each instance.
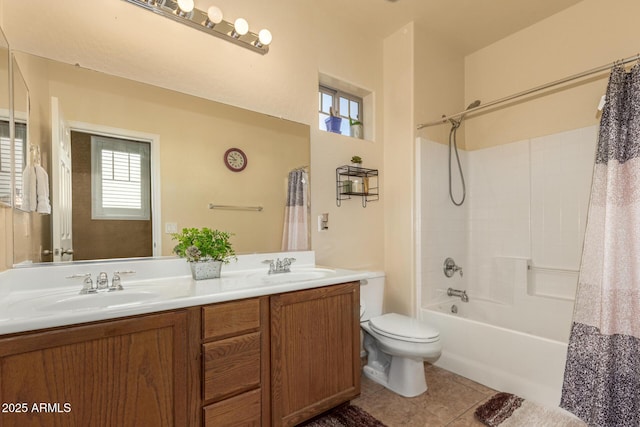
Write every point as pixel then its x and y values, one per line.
pixel 398 156
pixel 585 36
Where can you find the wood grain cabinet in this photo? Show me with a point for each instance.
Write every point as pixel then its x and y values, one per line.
pixel 315 346
pixel 129 372
pixel 273 360
pixel 235 363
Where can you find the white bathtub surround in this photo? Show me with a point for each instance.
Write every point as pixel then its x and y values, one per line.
pixel 518 238
pixel 42 296
pixel 503 359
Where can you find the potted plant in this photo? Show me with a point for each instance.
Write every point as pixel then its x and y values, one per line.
pixel 205 250
pixel 356 128
pixel 333 122
pixel 356 161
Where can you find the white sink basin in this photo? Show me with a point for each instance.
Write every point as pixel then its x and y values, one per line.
pixel 95 301
pixel 297 275
pixel 71 300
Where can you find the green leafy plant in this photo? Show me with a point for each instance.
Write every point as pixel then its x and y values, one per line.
pixel 353 122
pixel 203 244
pixel 356 159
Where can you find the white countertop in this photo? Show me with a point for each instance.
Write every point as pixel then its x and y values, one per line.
pixel 26 294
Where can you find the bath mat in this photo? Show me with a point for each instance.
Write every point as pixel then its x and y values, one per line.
pixel 345 416
pixel 509 410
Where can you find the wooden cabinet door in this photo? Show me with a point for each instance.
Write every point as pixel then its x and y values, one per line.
pixel 315 346
pixel 129 372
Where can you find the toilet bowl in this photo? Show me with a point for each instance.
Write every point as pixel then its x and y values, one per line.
pixel 396 345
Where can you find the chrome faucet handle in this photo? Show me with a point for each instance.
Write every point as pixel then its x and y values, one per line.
pixel 116 283
pixel 272 267
pixel 87 283
pixel 102 281
pixel 286 264
pixel 450 268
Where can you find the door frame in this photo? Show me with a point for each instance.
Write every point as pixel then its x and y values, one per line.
pixel 154 142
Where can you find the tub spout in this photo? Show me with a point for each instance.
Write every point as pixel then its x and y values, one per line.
pixel 458 293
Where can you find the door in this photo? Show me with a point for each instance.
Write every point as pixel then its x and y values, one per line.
pixel 61 184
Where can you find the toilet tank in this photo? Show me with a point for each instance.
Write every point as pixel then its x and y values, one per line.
pixel 371 295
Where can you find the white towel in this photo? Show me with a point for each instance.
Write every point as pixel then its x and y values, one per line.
pixel 35 183
pixel 42 191
pixel 29 197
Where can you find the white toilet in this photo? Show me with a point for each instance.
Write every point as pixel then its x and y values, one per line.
pixel 397 345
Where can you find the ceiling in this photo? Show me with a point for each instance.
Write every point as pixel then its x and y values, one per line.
pixel 466 24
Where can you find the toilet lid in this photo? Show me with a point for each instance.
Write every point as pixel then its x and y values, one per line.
pixel 404 328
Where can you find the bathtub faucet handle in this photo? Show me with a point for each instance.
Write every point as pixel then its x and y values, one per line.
pixel 450 267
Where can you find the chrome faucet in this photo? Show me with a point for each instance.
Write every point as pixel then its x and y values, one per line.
pixel 279 266
pixel 87 283
pixel 102 282
pixel 450 267
pixel 116 282
pixel 458 293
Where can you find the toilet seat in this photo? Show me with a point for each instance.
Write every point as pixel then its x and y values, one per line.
pixel 404 328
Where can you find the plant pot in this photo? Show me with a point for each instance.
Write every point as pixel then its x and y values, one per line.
pixel 333 124
pixel 356 131
pixel 201 270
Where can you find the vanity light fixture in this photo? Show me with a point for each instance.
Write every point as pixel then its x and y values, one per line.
pixel 185 7
pixel 210 22
pixel 240 28
pixel 264 38
pixel 214 17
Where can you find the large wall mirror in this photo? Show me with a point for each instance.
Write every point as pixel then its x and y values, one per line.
pixel 83 124
pixel 5 143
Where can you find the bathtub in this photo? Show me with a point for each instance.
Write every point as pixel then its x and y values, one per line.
pixel 528 364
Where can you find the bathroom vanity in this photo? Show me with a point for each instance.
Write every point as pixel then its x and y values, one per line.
pixel 282 354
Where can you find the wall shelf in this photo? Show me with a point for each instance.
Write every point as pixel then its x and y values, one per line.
pixel 357 182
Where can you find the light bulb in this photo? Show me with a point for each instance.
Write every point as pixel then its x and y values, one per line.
pixel 186 5
pixel 241 27
pixel 264 37
pixel 214 14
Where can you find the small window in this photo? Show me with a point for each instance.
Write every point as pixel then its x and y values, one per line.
pixel 120 179
pixel 344 105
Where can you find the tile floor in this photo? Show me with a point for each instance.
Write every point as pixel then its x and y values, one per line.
pixel 449 401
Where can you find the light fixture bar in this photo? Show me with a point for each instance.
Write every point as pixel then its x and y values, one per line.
pixel 198 19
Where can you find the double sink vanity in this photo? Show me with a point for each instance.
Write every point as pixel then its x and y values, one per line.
pixel 249 348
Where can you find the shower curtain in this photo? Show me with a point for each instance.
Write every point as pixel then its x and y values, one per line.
pixel 602 373
pixel 295 236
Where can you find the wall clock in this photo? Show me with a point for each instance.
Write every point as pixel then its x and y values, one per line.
pixel 235 159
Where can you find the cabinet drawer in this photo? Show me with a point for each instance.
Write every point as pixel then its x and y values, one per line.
pixel 231 366
pixel 230 318
pixel 242 410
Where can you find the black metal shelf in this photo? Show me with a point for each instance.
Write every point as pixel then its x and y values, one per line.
pixel 357 182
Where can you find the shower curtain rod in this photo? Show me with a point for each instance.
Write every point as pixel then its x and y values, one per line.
pixel 600 69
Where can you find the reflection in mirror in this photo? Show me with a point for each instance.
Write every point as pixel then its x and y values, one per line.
pixel 187 137
pixel 24 156
pixel 30 181
pixel 6 231
pixel 5 138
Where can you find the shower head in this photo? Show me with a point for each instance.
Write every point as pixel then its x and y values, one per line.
pixel 474 104
pixel 457 123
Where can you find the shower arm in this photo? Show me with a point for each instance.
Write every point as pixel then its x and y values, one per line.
pixel 600 69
